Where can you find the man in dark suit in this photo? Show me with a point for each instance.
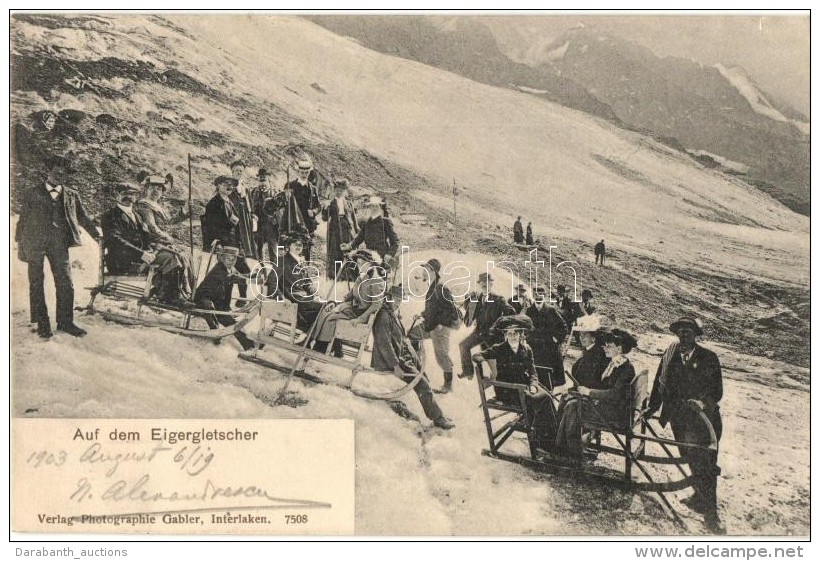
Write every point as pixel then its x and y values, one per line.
pixel 518 231
pixel 600 253
pixel 127 246
pixel 306 197
pixel 49 224
pixel 688 379
pixel 548 333
pixel 483 309
pixel 214 293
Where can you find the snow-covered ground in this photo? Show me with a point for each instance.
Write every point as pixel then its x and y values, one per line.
pixel 412 478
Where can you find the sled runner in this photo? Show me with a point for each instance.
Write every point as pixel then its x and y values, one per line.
pixel 639 440
pixel 281 346
pixel 130 302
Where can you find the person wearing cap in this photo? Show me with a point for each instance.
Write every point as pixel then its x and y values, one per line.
pixel 392 352
pixel 688 376
pixel 306 199
pixel 363 300
pixel 267 221
pixel 215 290
pixel 240 196
pixel 549 331
pixel 437 321
pixel 520 301
pixel 518 231
pixel 377 232
pixel 129 246
pixel 529 234
pixel 341 229
pixel 600 253
pixel 293 282
pixel 483 309
pixel 588 369
pixel 51 215
pixel 221 224
pixel 608 403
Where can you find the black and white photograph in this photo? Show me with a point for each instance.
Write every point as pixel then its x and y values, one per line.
pixel 554 268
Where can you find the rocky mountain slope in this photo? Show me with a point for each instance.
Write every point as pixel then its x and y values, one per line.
pixel 710 108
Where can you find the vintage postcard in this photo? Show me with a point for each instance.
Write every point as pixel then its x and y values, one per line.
pixel 451 275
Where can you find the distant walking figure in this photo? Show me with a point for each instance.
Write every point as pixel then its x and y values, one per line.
pixel 600 252
pixel 518 231
pixel 529 234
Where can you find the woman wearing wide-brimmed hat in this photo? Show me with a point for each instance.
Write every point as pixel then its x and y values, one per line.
pixel 362 301
pixel 608 403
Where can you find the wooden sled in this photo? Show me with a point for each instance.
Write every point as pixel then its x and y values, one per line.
pixel 639 441
pixel 278 333
pixel 136 307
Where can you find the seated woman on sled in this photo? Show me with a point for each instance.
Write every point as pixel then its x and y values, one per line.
pixel 129 247
pixel 607 405
pixel 291 280
pixel 364 299
pixel 514 363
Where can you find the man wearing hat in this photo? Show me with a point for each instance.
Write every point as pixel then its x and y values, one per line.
pixel 588 368
pixel 549 331
pixel 377 232
pixel 221 221
pixel 483 309
pixel 393 353
pixel 127 246
pixel 689 377
pixel 306 197
pixel 341 229
pixel 439 318
pixel 50 218
pixel 267 221
pixel 520 300
pixel 215 291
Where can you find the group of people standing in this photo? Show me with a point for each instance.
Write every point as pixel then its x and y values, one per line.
pixel 518 233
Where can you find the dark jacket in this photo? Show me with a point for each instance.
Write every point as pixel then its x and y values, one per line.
pixel 217 225
pixel 518 232
pixel 613 395
pixel 700 378
pixel 263 206
pixel 600 248
pixel 379 235
pixel 217 286
pixel 307 198
pixel 588 368
pixel 549 330
pixel 439 308
pixel 514 367
pixel 390 346
pixel 36 223
pixel 124 241
pixel 292 280
pixel 340 229
pixel 485 312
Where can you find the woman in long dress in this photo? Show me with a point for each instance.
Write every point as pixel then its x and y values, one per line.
pixel 177 272
pixel 341 229
pixel 364 299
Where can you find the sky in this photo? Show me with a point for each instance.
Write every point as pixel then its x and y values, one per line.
pixel 774 49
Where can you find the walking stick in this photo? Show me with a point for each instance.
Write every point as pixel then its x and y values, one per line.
pixel 190 211
pixel 305 344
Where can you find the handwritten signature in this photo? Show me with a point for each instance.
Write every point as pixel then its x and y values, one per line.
pixel 140 490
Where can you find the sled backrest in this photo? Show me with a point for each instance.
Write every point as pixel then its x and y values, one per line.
pixel 353 338
pixel 278 319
